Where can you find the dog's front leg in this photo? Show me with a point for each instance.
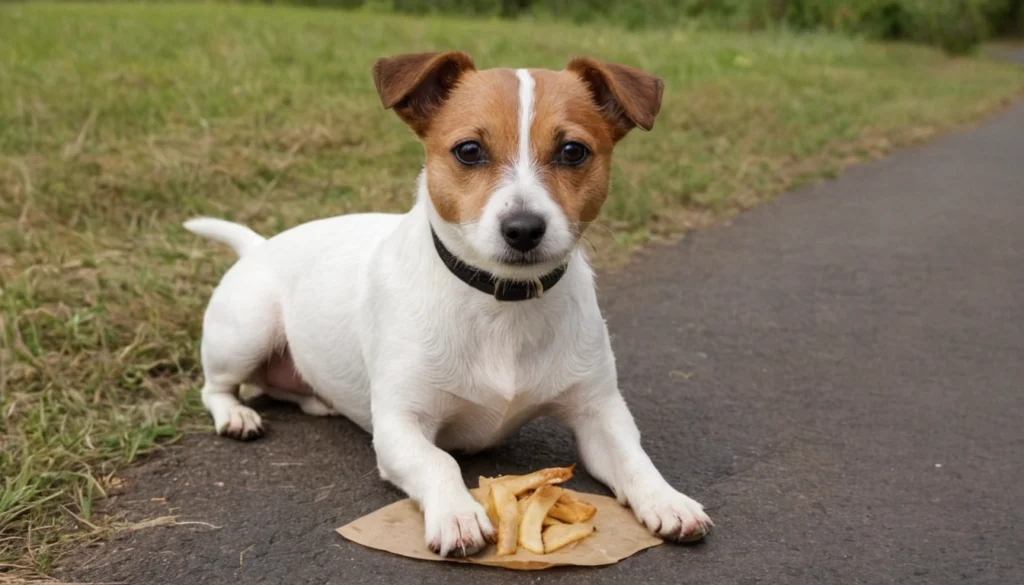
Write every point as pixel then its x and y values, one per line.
pixel 456 525
pixel 609 444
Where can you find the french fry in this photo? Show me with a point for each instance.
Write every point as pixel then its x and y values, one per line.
pixel 483 497
pixel 485 482
pixel 524 483
pixel 560 535
pixel 504 503
pixel 492 512
pixel 480 494
pixel 548 520
pixel 537 506
pixel 572 511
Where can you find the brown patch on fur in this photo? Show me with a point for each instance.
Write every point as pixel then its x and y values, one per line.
pixel 627 97
pixel 564 111
pixel 416 85
pixel 483 107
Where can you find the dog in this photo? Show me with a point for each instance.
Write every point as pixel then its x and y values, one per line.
pixel 448 327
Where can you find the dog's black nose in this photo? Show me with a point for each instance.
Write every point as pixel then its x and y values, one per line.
pixel 523 230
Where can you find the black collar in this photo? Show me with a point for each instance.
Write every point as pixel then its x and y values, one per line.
pixel 502 290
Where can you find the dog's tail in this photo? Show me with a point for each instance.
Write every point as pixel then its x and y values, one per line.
pixel 239 237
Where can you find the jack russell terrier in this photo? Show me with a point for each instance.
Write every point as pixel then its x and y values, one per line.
pixel 450 326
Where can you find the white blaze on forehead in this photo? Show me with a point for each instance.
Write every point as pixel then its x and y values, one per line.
pixel 523 164
pixel 521 189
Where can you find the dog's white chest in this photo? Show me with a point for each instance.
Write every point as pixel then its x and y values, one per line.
pixel 503 376
pixel 473 427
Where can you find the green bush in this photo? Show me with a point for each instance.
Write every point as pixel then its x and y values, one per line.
pixel 505 8
pixel 1006 17
pixel 958 26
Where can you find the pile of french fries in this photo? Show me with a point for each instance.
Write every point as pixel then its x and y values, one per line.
pixel 533 512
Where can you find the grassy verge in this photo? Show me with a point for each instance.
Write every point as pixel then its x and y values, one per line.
pixel 119 121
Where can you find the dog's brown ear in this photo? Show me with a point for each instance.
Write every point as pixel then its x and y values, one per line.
pixel 416 84
pixel 627 97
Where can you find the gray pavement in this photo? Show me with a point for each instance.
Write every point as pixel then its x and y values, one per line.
pixel 838 376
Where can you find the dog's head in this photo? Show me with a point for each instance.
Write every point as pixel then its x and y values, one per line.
pixel 517 160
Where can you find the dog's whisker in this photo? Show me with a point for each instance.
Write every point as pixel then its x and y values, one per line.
pixel 599 225
pixel 591 244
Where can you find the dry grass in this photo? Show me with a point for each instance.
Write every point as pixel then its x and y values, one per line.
pixel 119 121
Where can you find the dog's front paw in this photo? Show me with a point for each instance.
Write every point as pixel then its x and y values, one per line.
pixel 458 527
pixel 239 422
pixel 673 516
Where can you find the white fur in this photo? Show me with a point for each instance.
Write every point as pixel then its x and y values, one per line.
pixel 523 163
pixel 240 238
pixel 385 335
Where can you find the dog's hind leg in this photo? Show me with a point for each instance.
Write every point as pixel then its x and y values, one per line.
pixel 240 330
pixel 231 418
pixel 308 403
pixel 279 380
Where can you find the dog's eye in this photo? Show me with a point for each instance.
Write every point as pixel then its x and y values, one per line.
pixel 469 153
pixel 572 154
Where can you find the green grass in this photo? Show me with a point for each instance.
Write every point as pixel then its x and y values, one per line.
pixel 119 121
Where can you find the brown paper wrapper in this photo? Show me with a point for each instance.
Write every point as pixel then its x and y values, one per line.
pixel 398 529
